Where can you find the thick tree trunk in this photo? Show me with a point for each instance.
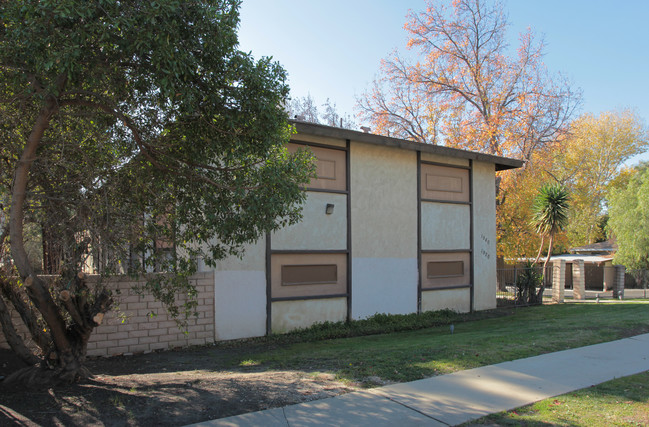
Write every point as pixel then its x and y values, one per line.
pixel 58 367
pixel 64 361
pixel 55 368
pixel 539 295
pixel 69 343
pixel 36 288
pixel 27 314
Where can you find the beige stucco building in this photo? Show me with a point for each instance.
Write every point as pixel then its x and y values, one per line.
pixel 390 226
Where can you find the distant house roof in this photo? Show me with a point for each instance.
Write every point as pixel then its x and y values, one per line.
pixel 501 163
pixel 607 247
pixel 587 258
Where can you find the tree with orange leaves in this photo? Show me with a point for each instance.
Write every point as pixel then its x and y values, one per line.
pixel 587 163
pixel 464 90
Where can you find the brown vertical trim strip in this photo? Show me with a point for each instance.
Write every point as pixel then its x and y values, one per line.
pixel 349 230
pixel 269 304
pixel 471 244
pixel 419 232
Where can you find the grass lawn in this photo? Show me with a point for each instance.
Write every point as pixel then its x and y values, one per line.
pixel 624 401
pixel 503 336
pixel 190 385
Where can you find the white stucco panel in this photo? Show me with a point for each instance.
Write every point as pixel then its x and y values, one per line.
pixel 239 304
pixel 453 299
pixel 383 285
pixel 484 235
pixel 317 230
pixel 445 226
pixel 253 259
pixel 290 315
pixel 384 201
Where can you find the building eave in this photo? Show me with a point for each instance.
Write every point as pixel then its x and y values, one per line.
pixel 501 163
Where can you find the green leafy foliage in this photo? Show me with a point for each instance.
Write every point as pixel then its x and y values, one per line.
pixel 164 131
pixel 527 283
pixel 628 208
pixel 143 139
pixel 589 159
pixel 550 209
pixel 379 323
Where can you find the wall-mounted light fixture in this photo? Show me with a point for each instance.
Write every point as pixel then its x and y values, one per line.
pixel 329 209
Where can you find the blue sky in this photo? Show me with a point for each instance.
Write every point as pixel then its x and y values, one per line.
pixel 332 48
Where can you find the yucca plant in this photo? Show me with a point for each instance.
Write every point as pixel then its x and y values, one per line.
pixel 549 216
pixel 526 283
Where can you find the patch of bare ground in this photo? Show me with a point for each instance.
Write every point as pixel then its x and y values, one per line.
pixel 171 388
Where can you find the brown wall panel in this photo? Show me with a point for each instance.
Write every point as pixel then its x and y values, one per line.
pixel 311 274
pixel 330 167
pixel 308 275
pixel 440 269
pixel 444 183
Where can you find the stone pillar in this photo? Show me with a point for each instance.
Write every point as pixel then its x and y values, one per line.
pixel 578 280
pixel 618 283
pixel 558 280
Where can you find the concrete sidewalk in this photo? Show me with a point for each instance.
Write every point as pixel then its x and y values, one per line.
pixel 455 398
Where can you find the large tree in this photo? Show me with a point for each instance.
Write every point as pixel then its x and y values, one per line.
pixel 134 135
pixel 586 162
pixel 591 157
pixel 628 209
pixel 463 89
pixel 305 108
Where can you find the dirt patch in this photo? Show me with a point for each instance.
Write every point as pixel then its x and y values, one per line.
pixel 171 388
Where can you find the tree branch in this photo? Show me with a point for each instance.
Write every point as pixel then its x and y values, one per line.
pixel 27 314
pixel 38 292
pixel 14 340
pixel 151 154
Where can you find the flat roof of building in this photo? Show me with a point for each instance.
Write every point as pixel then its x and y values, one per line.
pixel 502 163
pixel 596 259
pixel 609 245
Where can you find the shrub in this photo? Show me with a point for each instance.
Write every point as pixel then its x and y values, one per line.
pixel 527 283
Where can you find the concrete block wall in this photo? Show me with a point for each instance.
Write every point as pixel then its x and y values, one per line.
pixel 133 330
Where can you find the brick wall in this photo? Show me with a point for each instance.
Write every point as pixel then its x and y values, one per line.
pixel 132 330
